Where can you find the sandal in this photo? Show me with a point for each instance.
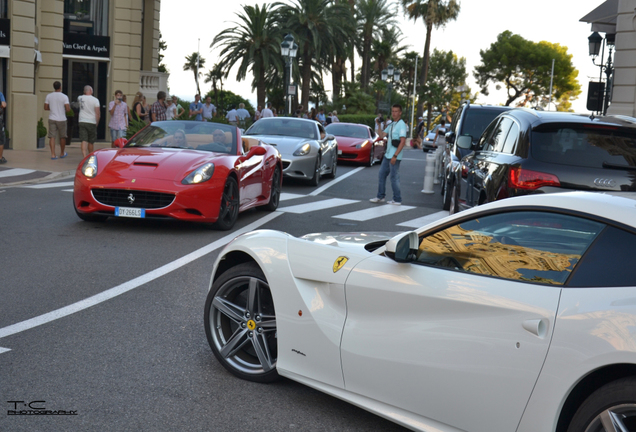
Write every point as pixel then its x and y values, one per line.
pixel 63 156
pixel 53 158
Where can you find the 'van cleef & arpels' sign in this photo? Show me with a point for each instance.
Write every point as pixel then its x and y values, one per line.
pixel 84 45
pixel 5 31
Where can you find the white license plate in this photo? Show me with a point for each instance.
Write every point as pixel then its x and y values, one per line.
pixel 130 212
pixel 339 152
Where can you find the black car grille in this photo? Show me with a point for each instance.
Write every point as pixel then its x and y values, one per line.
pixel 286 164
pixel 140 199
pixel 348 156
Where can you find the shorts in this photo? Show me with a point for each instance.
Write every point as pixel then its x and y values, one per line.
pixel 88 132
pixel 57 129
pixel 116 134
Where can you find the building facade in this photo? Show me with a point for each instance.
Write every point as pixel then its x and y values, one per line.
pixel 107 44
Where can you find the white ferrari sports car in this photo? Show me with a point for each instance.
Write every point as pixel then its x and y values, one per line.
pixel 519 315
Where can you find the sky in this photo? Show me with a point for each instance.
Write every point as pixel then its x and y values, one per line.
pixel 478 24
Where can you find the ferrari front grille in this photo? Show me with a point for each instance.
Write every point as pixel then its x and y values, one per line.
pixel 132 198
pixel 348 156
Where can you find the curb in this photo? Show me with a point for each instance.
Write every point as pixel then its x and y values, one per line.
pixel 49 177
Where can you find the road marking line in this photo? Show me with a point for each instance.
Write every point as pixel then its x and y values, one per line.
pixel 49 185
pixel 15 172
pixel 425 220
pixel 313 206
pixel 131 284
pixel 374 212
pixel 290 196
pixel 68 190
pixel 335 181
pixel 4 350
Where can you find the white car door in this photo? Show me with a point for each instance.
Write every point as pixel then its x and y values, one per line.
pixel 459 336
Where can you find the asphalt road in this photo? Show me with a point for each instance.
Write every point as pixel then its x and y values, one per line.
pixel 137 358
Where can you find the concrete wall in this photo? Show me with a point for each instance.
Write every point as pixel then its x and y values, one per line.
pixel 624 92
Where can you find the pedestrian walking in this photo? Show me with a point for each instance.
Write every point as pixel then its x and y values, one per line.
pixel 139 113
pixel 321 117
pixel 196 108
pixel 209 110
pixel 232 116
pixel 118 117
pixel 257 113
pixel 88 120
pixel 58 104
pixel 3 135
pixel 267 112
pixel 390 165
pixel 174 110
pixel 334 117
pixel 242 114
pixel 158 110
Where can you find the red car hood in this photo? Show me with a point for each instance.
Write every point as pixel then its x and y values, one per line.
pixel 155 163
pixel 349 142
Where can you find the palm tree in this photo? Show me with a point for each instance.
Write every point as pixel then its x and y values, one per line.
pixel 434 13
pixel 313 23
pixel 215 75
pixel 345 48
pixel 253 44
pixel 194 62
pixel 373 17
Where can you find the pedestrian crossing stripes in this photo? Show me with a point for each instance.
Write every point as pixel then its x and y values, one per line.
pixel 285 196
pixel 374 212
pixel 319 205
pixel 424 220
pixel 14 172
pixel 49 185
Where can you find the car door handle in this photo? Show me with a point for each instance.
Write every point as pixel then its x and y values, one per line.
pixel 538 327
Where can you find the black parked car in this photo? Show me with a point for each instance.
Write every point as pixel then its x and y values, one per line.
pixel 469 120
pixel 525 151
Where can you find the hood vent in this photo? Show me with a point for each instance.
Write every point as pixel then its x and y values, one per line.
pixel 150 164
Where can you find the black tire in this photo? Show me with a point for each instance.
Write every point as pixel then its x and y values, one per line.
pixel 229 209
pixel 446 201
pixel 243 335
pixel 454 200
pixel 614 403
pixel 334 168
pixel 316 178
pixel 274 198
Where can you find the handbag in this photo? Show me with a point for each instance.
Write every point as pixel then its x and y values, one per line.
pixel 394 142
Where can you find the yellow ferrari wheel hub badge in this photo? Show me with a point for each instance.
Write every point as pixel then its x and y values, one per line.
pixel 251 325
pixel 340 262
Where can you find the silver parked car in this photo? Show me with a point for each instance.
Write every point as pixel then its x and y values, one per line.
pixel 306 149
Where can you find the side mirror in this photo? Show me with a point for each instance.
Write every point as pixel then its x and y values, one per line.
pixel 330 137
pixel 450 138
pixel 465 142
pixel 403 247
pixel 256 151
pixel 121 142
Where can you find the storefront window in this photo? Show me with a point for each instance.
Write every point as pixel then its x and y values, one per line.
pixel 3 8
pixel 89 17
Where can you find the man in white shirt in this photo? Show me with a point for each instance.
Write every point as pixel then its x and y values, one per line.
pixel 231 116
pixel 57 102
pixel 257 113
pixel 242 114
pixel 89 117
pixel 209 110
pixel 267 112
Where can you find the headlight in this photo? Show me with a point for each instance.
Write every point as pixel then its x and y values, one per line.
pixel 303 150
pixel 89 169
pixel 363 144
pixel 199 175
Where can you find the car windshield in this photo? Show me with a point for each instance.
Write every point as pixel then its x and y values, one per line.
pixel 588 146
pixel 476 121
pixel 284 126
pixel 204 136
pixel 344 130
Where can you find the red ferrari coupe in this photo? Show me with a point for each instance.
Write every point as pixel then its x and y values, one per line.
pixel 187 170
pixel 356 142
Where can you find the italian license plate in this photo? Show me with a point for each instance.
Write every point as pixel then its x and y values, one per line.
pixel 339 152
pixel 130 212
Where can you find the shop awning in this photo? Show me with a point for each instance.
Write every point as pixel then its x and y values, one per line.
pixel 603 18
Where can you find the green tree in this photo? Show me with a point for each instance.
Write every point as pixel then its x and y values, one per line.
pixel 434 13
pixel 162 47
pixel 195 63
pixel 447 73
pixel 373 17
pixel 314 24
pixel 356 100
pixel 254 44
pixel 524 67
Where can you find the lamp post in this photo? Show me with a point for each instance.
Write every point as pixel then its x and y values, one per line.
pixel 288 50
pixel 390 76
pixel 595 42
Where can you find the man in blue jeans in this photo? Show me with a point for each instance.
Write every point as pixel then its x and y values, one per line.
pixel 396 139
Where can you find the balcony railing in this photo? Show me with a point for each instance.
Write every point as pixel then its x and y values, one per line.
pixel 152 82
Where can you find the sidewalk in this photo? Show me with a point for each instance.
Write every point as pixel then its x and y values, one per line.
pixel 35 166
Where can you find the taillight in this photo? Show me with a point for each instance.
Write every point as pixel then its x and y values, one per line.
pixel 464 170
pixel 519 178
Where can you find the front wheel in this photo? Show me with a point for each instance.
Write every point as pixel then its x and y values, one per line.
pixel 240 323
pixel 334 167
pixel 274 197
pixel 228 212
pixel 610 408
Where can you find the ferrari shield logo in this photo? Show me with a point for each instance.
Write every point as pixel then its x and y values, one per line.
pixel 341 261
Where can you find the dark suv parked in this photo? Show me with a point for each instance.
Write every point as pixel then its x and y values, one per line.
pixel 525 151
pixel 469 120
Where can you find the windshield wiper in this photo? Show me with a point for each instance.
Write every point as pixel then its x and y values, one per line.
pixel 618 166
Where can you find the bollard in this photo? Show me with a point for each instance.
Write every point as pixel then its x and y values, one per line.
pixel 438 163
pixel 429 173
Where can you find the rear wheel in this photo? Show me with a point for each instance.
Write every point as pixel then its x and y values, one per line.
pixel 228 212
pixel 274 197
pixel 447 195
pixel 240 323
pixel 316 178
pixel 610 408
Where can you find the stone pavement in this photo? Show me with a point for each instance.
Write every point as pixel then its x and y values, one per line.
pixel 35 166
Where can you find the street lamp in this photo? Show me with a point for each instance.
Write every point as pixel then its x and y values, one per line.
pixel 596 41
pixel 390 76
pixel 288 50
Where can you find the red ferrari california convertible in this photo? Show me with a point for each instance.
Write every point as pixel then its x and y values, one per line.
pixel 356 143
pixel 187 170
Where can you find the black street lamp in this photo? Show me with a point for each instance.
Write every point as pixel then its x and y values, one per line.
pixel 390 76
pixel 288 50
pixel 595 43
